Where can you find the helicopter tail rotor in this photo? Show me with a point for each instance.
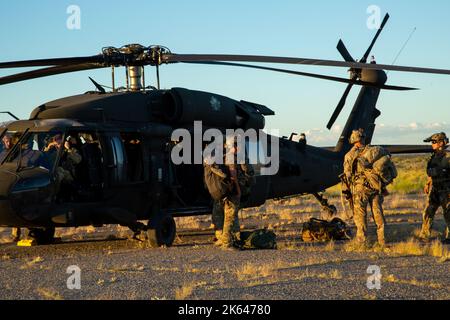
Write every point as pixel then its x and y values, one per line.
pixel 355 74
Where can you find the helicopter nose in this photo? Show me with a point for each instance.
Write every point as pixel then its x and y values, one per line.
pixel 8 216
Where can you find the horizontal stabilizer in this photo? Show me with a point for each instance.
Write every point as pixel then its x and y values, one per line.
pixel 408 149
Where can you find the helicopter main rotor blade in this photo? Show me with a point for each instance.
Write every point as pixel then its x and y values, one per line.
pixel 52 62
pixel 339 107
pixel 306 74
pixel 344 52
pixel 172 58
pixel 385 20
pixel 47 72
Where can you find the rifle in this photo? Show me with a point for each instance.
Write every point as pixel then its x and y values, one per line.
pixel 347 192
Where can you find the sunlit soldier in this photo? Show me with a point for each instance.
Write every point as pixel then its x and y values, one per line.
pixel 229 184
pixel 438 185
pixel 70 158
pixel 366 185
pixel 7 146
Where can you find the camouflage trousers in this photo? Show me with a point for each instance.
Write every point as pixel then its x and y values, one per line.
pixel 361 200
pixel 436 200
pixel 225 218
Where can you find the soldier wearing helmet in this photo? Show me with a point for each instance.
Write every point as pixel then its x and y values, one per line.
pixel 438 185
pixel 225 211
pixel 357 169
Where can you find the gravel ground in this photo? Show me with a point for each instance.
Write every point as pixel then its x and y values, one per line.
pixel 195 269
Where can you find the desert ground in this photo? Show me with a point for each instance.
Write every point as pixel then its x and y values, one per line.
pixel 114 267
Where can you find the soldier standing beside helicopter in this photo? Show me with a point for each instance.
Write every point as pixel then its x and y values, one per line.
pixel 438 185
pixel 237 180
pixel 366 186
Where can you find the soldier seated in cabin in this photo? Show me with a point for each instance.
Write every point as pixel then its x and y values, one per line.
pixel 65 171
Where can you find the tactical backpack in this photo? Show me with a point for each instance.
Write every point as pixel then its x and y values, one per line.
pixel 385 169
pixel 218 186
pixel 380 171
pixel 258 239
pixel 317 230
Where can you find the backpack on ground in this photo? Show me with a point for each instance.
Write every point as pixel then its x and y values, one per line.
pixel 317 230
pixel 258 239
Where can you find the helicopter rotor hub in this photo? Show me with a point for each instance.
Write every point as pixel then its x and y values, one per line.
pixel 134 55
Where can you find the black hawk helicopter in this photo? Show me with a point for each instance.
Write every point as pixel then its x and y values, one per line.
pixel 124 136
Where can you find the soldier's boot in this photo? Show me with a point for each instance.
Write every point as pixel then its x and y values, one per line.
pixel 447 222
pixel 380 236
pixel 381 231
pixel 15 234
pixel 427 221
pixel 425 232
pixel 218 237
pixel 229 224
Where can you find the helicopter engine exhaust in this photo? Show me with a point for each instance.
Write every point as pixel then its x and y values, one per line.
pixel 182 106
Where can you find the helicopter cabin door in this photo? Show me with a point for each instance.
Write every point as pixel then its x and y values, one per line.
pixel 125 170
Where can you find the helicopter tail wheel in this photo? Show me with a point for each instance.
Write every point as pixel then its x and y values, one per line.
pixel 161 231
pixel 42 236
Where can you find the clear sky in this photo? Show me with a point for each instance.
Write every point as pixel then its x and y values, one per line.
pixel 310 29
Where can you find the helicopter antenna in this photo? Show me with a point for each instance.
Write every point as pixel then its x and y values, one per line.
pixel 404 46
pixel 97 85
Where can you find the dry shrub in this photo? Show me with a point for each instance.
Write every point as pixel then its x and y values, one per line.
pixel 391 278
pixel 189 222
pixel 409 248
pixel 251 271
pixel 286 214
pixel 49 294
pixel 31 263
pixel 184 291
pixel 414 248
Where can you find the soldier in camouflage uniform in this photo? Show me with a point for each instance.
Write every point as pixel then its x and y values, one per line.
pixel 225 216
pixel 438 185
pixel 363 194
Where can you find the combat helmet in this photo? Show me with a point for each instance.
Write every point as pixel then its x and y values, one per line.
pixel 357 136
pixel 438 137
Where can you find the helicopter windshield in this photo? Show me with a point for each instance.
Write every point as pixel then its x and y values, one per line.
pixel 37 149
pixel 9 140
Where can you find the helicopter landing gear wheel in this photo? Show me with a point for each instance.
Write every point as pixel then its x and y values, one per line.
pixel 161 231
pixel 42 236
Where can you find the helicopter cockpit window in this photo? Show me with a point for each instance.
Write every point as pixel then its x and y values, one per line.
pixel 37 149
pixel 8 141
